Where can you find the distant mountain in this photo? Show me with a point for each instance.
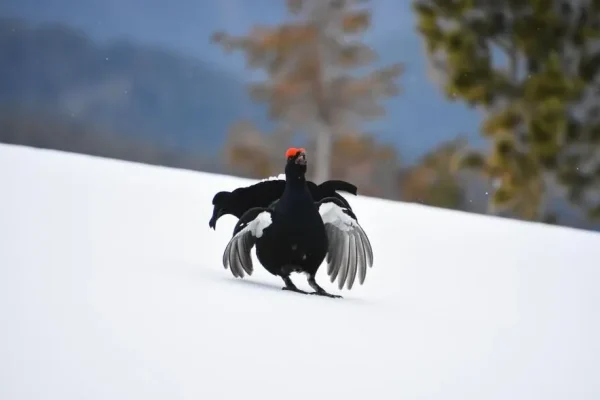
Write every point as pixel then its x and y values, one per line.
pixel 121 87
pixel 65 134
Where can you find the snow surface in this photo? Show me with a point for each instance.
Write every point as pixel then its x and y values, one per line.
pixel 111 287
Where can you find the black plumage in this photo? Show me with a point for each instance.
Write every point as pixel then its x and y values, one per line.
pixel 297 233
pixel 263 194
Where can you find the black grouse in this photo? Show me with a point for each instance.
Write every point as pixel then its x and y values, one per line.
pixel 263 194
pixel 296 233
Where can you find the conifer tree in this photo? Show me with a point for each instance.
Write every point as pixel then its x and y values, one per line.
pixel 310 64
pixel 532 67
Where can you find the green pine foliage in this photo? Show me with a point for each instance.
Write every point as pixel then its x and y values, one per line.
pixel 532 67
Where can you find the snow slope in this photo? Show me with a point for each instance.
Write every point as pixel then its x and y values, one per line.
pixel 111 287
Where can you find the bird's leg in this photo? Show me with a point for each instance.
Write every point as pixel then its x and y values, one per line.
pixel 319 290
pixel 289 285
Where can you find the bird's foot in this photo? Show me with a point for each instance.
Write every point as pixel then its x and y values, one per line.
pixel 294 289
pixel 319 291
pixel 325 294
pixel 289 285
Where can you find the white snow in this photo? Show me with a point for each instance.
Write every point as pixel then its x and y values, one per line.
pixel 111 287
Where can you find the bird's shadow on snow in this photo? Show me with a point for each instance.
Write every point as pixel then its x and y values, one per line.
pixel 247 281
pixel 201 272
pixel 275 287
pixel 250 282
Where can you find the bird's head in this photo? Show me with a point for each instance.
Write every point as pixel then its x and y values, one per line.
pixel 221 207
pixel 295 167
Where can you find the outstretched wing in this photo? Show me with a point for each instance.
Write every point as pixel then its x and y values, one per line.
pixel 242 199
pixel 247 231
pixel 263 193
pixel 349 252
pixel 267 192
pixel 260 194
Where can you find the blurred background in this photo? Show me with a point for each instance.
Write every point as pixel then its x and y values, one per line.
pixel 482 106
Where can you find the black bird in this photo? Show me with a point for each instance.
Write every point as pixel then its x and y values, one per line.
pixel 296 233
pixel 263 194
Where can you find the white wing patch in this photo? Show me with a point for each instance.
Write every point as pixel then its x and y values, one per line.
pixel 331 213
pixel 349 252
pixel 258 224
pixel 274 178
pixel 237 252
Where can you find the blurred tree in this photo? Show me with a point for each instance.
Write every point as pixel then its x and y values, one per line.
pixel 308 62
pixel 432 181
pixel 532 66
pixel 253 154
pixel 360 159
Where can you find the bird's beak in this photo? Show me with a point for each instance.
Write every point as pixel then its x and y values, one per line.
pixel 217 213
pixel 301 159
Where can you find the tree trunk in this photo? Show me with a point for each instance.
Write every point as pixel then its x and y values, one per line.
pixel 323 154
